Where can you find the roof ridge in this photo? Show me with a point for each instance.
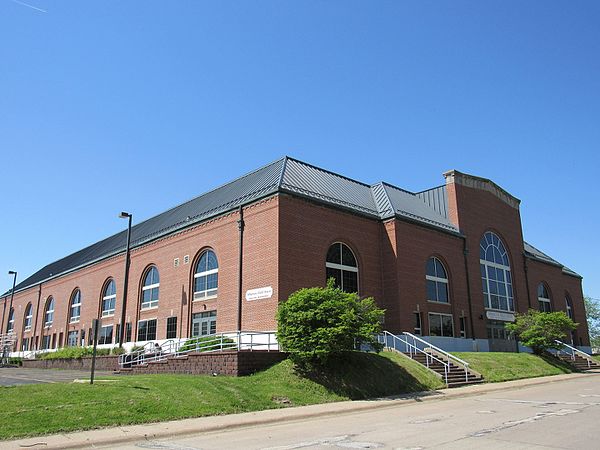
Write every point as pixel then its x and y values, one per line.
pixel 397 188
pixel 430 189
pixel 328 171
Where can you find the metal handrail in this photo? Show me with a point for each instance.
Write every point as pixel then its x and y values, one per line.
pixel 219 342
pixel 439 350
pixel 574 350
pixel 410 348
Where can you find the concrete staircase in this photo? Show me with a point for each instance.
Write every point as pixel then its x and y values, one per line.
pixel 579 362
pixel 456 374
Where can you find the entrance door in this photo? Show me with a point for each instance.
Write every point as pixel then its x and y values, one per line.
pixel 500 340
pixel 204 323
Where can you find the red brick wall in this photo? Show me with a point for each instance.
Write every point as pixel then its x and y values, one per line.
pixel 176 288
pixel 102 363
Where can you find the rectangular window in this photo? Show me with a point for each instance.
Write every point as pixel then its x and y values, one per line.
pixel 82 337
pixel 25 344
pixel 90 337
pixel 128 332
pixel 146 330
pixel 441 325
pixel 204 323
pixel 463 327
pixel 544 305
pixel 171 327
pixel 106 335
pixel 72 338
pixel 418 324
pixel 46 342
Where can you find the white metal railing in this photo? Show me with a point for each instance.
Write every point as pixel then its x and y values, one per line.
pixel 7 346
pixel 413 344
pixel 572 352
pixel 172 348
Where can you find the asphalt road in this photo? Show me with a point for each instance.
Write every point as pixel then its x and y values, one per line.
pixel 563 414
pixel 12 376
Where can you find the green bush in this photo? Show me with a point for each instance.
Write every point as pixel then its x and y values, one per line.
pixel 15 361
pixel 206 343
pixel 317 323
pixel 78 352
pixel 539 330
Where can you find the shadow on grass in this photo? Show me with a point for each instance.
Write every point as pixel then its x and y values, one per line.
pixel 561 365
pixel 359 376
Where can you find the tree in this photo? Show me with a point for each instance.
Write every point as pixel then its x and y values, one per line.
pixel 539 330
pixel 317 323
pixel 592 311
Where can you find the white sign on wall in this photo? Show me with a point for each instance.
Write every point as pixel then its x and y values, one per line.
pixel 259 293
pixel 505 317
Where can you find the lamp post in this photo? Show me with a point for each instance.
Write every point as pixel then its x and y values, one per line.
pixel 125 215
pixel 12 294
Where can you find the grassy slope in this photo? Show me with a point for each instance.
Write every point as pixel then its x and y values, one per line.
pixel 495 366
pixel 51 408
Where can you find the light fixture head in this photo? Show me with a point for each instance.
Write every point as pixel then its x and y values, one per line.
pixel 12 272
pixel 124 215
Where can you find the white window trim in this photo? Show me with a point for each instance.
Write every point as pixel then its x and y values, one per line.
pixel 152 303
pixel 75 319
pixel 108 312
pixel 341 267
pixel 48 324
pixel 488 301
pixel 206 291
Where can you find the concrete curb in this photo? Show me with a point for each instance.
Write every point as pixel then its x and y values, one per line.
pixel 161 430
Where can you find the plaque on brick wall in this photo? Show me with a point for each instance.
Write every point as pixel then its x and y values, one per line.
pixel 259 293
pixel 496 315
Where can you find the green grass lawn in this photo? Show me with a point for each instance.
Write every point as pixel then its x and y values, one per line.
pixel 496 366
pixel 51 408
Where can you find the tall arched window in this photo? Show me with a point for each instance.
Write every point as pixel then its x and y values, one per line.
pixel 49 312
pixel 28 317
pixel 341 265
pixel 569 306
pixel 150 289
pixel 75 312
pixel 543 298
pixel 495 273
pixel 206 276
pixel 437 281
pixel 109 298
pixel 11 321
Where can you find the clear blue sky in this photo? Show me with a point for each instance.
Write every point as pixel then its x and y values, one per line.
pixel 140 105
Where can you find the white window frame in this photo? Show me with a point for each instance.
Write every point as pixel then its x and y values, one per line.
pixel 28 317
pixel 11 320
pixel 442 326
pixel 152 304
pixel 344 267
pixel 439 280
pixel 569 308
pixel 49 313
pixel 204 294
pixel 138 329
pixel 72 318
pixel 545 300
pixel 109 312
pixel 505 269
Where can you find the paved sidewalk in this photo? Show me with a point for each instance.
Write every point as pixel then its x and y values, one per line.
pixel 13 376
pixel 114 436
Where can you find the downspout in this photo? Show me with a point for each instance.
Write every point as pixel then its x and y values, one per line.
pixel 526 268
pixel 469 299
pixel 241 225
pixel 37 313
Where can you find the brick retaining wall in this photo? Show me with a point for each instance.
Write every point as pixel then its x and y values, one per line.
pixel 223 363
pixel 85 363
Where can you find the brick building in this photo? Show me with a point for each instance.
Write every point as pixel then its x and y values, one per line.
pixel 449 263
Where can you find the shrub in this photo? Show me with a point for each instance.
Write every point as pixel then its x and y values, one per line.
pixel 539 330
pixel 206 343
pixel 317 323
pixel 77 352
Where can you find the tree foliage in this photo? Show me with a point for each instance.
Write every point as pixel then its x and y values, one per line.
pixel 592 311
pixel 539 330
pixel 317 323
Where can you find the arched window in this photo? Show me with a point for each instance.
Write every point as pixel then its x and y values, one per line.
pixel 206 277
pixel 150 289
pixel 543 298
pixel 109 298
pixel 495 273
pixel 49 312
pixel 341 265
pixel 28 317
pixel 569 306
pixel 75 312
pixel 437 281
pixel 11 321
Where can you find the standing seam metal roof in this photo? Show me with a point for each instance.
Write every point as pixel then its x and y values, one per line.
pixel 379 201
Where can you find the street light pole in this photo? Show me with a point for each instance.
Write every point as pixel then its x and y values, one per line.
pixel 125 215
pixel 12 294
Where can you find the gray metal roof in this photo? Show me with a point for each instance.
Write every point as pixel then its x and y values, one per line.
pixel 534 253
pixel 287 175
